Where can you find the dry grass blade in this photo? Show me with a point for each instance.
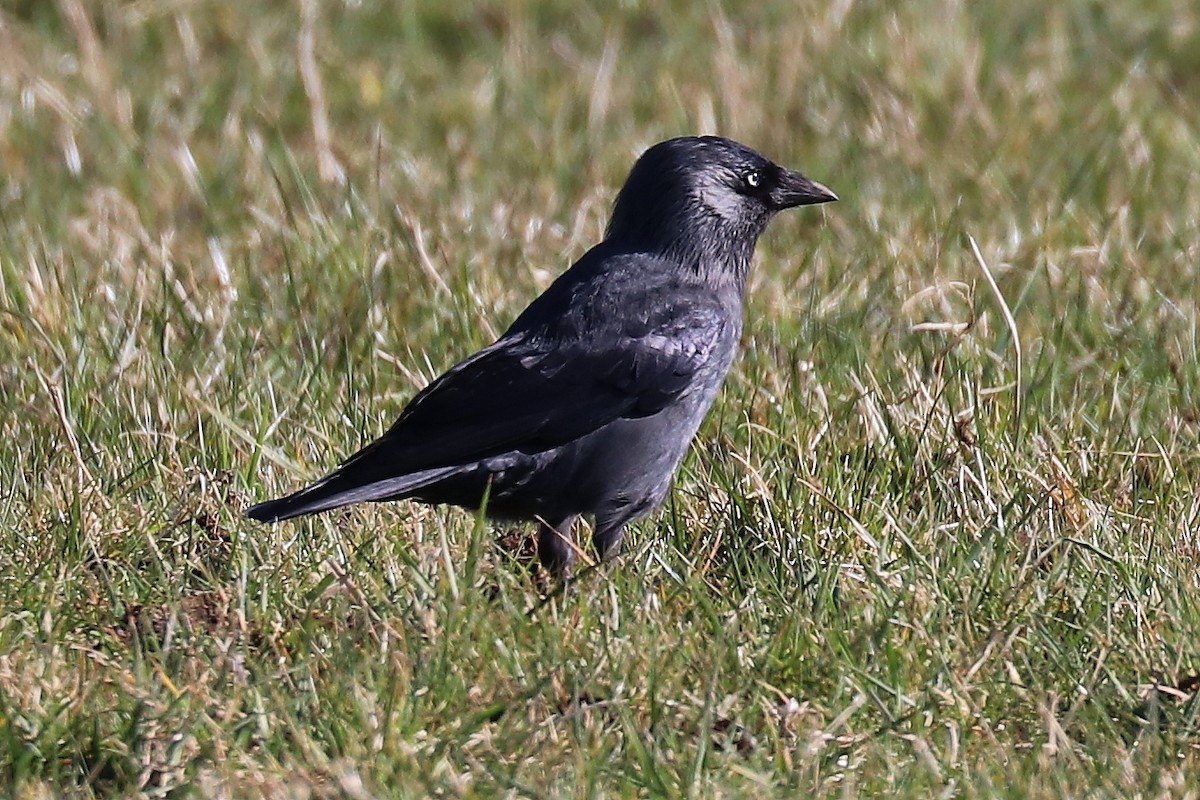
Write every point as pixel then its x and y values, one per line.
pixel 1011 322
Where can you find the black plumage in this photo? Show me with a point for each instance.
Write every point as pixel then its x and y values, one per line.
pixel 588 402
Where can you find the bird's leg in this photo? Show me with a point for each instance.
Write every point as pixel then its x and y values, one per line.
pixel 556 547
pixel 610 525
pixel 607 536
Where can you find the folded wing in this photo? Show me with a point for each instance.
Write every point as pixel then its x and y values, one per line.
pixel 519 394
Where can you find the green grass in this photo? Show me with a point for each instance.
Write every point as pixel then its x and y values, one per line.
pixel 887 567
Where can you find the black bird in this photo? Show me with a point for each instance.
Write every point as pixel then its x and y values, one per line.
pixel 588 402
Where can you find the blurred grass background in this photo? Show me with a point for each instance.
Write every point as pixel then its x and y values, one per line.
pixel 235 238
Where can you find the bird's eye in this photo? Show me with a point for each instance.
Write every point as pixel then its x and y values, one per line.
pixel 754 180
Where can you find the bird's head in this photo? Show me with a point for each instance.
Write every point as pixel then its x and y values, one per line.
pixel 706 198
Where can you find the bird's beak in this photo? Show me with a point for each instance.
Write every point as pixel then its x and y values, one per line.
pixel 793 189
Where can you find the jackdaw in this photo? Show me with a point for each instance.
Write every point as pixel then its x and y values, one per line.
pixel 587 403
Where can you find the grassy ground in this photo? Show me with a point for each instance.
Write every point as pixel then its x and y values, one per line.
pixel 915 551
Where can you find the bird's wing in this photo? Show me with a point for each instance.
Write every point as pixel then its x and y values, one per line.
pixel 520 394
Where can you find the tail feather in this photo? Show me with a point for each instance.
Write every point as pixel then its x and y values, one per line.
pixel 341 488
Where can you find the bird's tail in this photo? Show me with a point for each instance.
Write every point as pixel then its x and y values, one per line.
pixel 340 488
